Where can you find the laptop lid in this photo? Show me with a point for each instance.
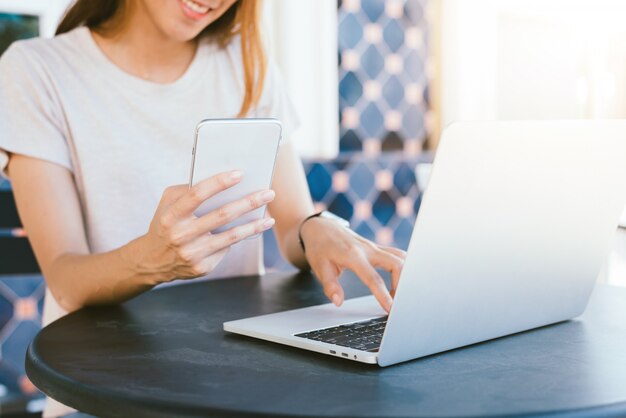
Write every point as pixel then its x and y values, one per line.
pixel 513 229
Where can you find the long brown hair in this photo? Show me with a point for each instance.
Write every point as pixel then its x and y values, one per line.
pixel 241 19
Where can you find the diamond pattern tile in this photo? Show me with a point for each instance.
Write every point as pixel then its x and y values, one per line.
pixel 372 120
pixel 404 178
pixel 372 62
pixel 21 302
pixel 350 89
pixel 322 183
pixel 382 50
pixel 393 91
pixel 415 61
pixel 341 206
pixel 373 9
pixel 350 141
pixel 393 34
pixel 361 180
pixel 14 348
pixel 384 208
pixel 350 32
pixel 392 142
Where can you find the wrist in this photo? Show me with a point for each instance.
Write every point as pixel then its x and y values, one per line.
pixel 136 257
pixel 319 219
pixel 305 229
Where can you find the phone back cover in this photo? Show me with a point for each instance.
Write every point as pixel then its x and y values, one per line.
pixel 249 145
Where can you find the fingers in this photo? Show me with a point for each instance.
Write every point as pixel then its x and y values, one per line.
pixel 208 264
pixel 366 272
pixel 392 263
pixel 328 275
pixel 334 249
pixel 395 251
pixel 231 211
pixel 204 190
pixel 210 244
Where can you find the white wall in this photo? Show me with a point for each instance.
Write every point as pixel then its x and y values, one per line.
pixel 302 39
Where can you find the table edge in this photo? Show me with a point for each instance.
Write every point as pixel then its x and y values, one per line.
pixel 56 386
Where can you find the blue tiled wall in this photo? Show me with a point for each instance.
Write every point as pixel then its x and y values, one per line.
pixel 383 91
pixel 21 305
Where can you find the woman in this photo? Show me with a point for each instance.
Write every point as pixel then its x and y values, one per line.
pixel 97 127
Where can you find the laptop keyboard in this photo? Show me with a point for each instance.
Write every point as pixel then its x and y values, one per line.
pixel 364 335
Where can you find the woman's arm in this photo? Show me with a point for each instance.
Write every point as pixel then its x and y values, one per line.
pixel 330 248
pixel 177 245
pixel 50 212
pixel 292 204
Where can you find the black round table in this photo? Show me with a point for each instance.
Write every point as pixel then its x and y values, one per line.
pixel 165 354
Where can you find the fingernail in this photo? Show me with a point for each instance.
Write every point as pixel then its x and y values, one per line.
pixel 268 223
pixel 336 299
pixel 268 196
pixel 236 175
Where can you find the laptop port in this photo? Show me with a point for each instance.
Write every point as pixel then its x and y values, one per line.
pixel 333 352
pixel 345 354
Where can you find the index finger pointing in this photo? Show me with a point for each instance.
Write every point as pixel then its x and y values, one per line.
pixel 366 272
pixel 392 264
pixel 329 278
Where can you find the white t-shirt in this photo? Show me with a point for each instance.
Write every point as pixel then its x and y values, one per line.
pixel 124 139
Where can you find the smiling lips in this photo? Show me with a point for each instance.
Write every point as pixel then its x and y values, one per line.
pixel 194 9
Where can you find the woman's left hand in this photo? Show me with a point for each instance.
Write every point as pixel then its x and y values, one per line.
pixel 332 248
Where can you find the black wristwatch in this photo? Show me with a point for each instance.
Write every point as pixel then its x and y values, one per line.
pixel 323 214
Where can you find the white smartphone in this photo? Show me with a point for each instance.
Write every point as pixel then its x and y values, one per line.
pixel 249 145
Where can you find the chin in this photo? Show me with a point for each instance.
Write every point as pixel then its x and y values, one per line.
pixel 181 34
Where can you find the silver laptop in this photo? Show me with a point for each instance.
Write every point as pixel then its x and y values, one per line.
pixel 514 227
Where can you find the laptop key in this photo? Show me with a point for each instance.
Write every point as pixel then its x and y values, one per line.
pixel 363 335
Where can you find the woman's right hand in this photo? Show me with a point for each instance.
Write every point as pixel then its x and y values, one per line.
pixel 180 245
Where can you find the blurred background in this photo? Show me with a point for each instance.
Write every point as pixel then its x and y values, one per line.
pixel 374 83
